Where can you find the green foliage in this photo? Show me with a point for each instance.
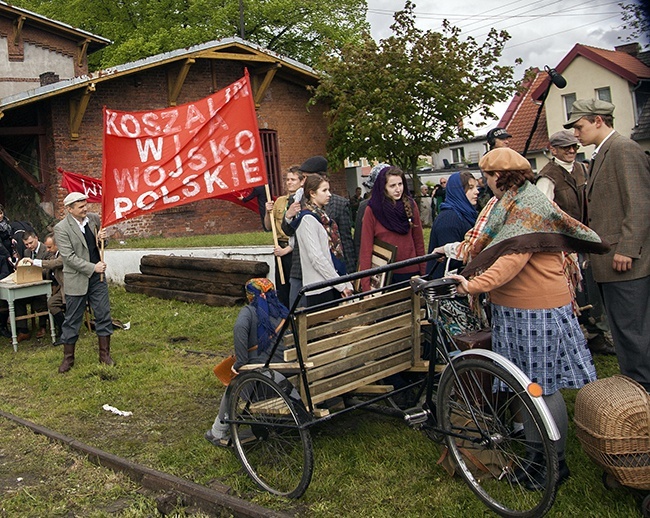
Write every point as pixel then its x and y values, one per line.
pixel 406 95
pixel 296 28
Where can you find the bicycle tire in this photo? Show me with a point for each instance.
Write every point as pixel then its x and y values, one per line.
pixel 502 488
pixel 267 436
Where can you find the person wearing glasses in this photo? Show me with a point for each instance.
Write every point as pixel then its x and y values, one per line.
pixel 563 180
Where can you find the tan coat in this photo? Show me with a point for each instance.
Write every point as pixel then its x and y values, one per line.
pixel 618 205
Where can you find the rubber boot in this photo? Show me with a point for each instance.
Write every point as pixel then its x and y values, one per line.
pixel 68 358
pixel 105 350
pixel 59 318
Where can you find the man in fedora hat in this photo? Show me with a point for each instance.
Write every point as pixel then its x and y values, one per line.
pixel 618 205
pixel 563 181
pixel 83 280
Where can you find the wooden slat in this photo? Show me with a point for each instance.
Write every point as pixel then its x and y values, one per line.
pixel 274 406
pixel 354 335
pixel 349 363
pixel 374 389
pixel 361 381
pixel 361 306
pixel 290 368
pixel 314 332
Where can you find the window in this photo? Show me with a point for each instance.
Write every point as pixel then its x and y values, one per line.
pixel 533 163
pixel 568 99
pixel 272 160
pixel 604 94
pixel 457 155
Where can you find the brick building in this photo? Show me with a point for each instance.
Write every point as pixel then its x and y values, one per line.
pixel 60 126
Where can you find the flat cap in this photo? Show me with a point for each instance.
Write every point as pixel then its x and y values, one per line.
pixel 563 139
pixel 503 159
pixel 315 164
pixel 74 197
pixel 583 107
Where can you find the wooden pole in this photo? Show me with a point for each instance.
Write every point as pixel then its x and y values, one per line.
pixel 275 236
pixel 101 256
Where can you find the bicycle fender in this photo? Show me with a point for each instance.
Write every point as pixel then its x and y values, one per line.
pixel 540 404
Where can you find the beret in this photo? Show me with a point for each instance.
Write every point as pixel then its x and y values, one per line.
pixel 315 164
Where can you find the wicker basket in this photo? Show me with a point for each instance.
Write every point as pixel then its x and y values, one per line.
pixel 612 418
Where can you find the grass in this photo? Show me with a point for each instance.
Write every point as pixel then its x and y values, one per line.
pixel 365 464
pixel 241 239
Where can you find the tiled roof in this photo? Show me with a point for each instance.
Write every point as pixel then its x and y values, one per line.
pixel 520 115
pixel 617 62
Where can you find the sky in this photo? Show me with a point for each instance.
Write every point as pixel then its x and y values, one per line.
pixel 542 31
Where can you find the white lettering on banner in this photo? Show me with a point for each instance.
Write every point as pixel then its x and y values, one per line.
pixel 91 188
pixel 141 201
pixel 111 128
pixel 219 151
pixel 196 160
pixel 124 124
pixel 188 181
pixel 122 206
pixel 179 168
pixel 169 128
pixel 151 126
pixel 251 166
pixel 212 178
pixel 241 136
pixel 148 175
pixel 194 115
pixel 149 147
pixel 168 199
pixel 233 172
pixel 126 175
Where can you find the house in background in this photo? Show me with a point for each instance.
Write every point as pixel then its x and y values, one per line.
pixel 620 76
pixel 35 49
pixel 60 125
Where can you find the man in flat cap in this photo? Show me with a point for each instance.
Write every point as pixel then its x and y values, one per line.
pixel 563 180
pixel 83 280
pixel 338 209
pixel 618 209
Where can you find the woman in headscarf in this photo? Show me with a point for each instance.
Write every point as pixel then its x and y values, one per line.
pixel 321 252
pixel 457 215
pixel 518 260
pixel 393 217
pixel 255 332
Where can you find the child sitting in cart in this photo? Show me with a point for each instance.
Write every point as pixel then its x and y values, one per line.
pixel 255 333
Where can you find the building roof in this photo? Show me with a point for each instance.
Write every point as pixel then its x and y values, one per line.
pixel 94 42
pixel 616 61
pixel 520 116
pixel 226 49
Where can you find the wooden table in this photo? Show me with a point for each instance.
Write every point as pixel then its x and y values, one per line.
pixel 11 292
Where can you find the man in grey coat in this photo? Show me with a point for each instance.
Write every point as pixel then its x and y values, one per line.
pixel 618 205
pixel 83 278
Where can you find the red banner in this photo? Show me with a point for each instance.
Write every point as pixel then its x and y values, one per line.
pixel 75 182
pixel 159 159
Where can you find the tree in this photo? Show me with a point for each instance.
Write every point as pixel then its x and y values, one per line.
pixel 407 95
pixel 295 28
pixel 636 16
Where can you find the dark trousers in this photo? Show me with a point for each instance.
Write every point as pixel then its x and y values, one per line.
pixel 284 290
pixel 97 297
pixel 628 312
pixel 322 298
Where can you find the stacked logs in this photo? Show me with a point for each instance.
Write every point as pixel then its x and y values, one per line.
pixel 215 282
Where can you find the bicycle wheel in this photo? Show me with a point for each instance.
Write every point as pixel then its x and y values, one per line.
pixel 266 433
pixel 477 408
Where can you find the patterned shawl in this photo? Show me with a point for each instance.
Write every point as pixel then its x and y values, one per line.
pixel 525 221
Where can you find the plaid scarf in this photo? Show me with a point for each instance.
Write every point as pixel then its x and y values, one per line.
pixel 525 221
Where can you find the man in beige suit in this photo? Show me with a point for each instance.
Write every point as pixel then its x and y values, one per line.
pixel 618 209
pixel 83 280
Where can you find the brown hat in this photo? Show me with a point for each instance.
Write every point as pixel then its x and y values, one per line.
pixel 563 138
pixel 503 159
pixel 583 107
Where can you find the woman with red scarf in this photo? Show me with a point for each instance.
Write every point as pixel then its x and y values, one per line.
pixel 393 217
pixel 321 252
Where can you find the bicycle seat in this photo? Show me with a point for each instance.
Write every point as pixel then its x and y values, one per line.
pixel 437 288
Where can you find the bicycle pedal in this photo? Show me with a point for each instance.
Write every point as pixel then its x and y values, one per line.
pixel 416 416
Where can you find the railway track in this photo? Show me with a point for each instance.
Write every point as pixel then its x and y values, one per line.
pixel 213 501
